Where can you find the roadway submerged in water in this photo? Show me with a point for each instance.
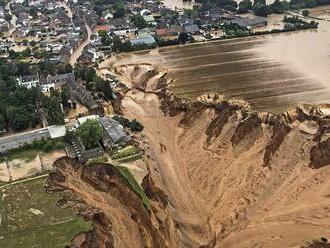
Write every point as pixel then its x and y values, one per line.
pixel 272 72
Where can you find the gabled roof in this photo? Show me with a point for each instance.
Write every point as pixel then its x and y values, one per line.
pixel 191 28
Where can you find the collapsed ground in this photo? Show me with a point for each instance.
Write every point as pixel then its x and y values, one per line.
pixel 234 178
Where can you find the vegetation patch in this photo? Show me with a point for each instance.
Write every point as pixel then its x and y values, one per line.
pixel 97 160
pixel 129 178
pixel 29 151
pixel 125 152
pixel 30 217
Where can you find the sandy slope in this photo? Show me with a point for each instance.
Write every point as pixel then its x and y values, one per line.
pixel 221 194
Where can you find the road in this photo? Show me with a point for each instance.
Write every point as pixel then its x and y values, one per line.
pixel 12 27
pixel 79 50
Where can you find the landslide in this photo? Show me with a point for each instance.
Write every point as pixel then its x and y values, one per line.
pixel 119 217
pixel 233 177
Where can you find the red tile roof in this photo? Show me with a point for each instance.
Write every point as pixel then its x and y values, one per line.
pixel 101 27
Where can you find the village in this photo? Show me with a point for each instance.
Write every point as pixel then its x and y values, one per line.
pixel 55 46
pixel 90 31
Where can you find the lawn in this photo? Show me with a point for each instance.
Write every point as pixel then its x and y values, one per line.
pixel 30 218
pixel 26 155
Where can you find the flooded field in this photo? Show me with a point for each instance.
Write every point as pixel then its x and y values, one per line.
pixel 272 72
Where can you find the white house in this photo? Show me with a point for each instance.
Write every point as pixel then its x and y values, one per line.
pixel 28 81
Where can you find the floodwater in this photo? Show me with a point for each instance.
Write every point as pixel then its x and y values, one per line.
pixel 272 72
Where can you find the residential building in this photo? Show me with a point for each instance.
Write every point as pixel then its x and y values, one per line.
pixel 113 132
pixel 28 81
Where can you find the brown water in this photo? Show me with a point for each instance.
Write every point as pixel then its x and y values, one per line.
pixel 272 72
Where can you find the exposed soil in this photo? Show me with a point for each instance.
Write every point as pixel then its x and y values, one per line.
pixel 220 175
pixel 234 178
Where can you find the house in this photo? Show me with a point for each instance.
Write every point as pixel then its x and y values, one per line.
pixel 99 28
pixel 175 30
pixel 56 82
pixel 113 132
pixel 191 29
pixel 28 81
pixel 146 40
pixel 162 32
pixel 149 19
pixel 80 93
pixel 249 22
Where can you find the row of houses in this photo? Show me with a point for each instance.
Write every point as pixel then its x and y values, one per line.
pixel 56 82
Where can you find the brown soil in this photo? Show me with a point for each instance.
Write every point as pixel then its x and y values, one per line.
pixel 234 178
pixel 220 175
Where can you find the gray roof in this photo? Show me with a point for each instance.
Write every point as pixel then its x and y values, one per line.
pixel 61 78
pixel 246 22
pixel 29 78
pixel 115 132
pixel 191 28
pixel 149 40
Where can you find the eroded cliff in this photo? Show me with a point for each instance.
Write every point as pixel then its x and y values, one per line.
pixel 234 177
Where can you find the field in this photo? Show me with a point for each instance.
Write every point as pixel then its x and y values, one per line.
pixel 29 217
pixel 25 163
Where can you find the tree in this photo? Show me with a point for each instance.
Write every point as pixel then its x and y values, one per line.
pixel 105 39
pixel 34 13
pixel 18 118
pixel 305 12
pixel 65 96
pixel 53 109
pixel 244 6
pixel 33 43
pixel 136 126
pixel 119 9
pixel 261 10
pixel 2 123
pixel 183 38
pixel 139 22
pixel 90 133
pixel 279 7
pixel 8 17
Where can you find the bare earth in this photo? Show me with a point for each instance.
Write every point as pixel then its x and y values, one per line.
pixel 220 192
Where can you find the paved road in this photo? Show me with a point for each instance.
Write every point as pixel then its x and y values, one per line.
pixel 16 140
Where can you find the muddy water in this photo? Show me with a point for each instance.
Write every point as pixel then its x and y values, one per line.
pixel 272 72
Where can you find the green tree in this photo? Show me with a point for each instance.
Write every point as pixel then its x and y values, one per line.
pixel 136 126
pixel 18 118
pixel 119 9
pixel 90 133
pixel 279 7
pixel 65 96
pixel 183 38
pixel 2 123
pixel 244 6
pixel 105 39
pixel 261 10
pixel 139 22
pixel 305 12
pixel 55 116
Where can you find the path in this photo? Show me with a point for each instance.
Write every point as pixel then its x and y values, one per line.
pixel 24 180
